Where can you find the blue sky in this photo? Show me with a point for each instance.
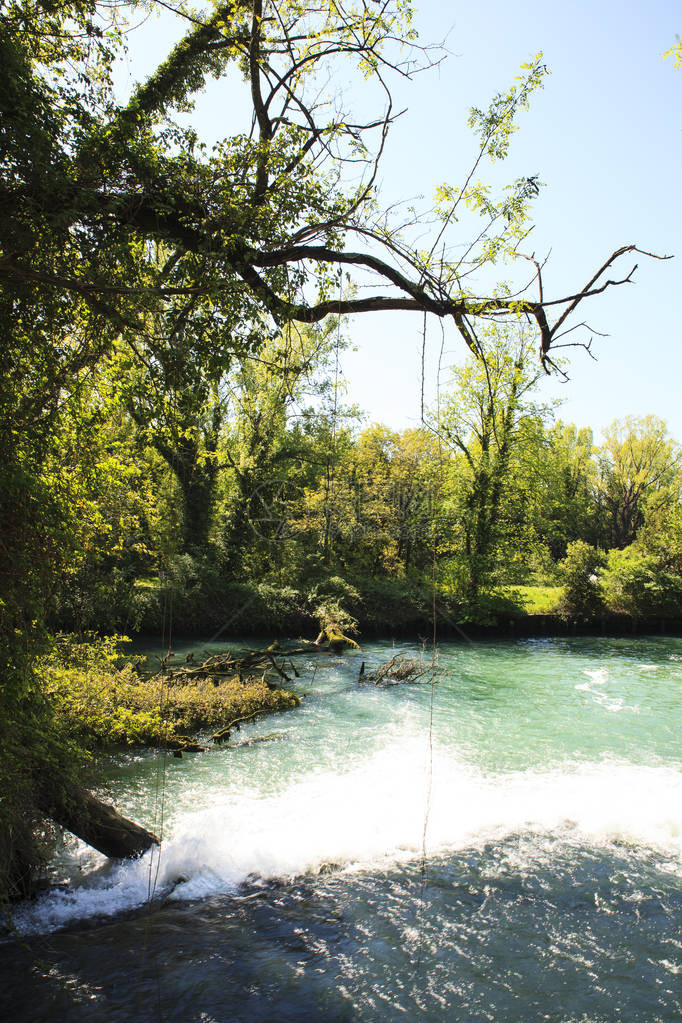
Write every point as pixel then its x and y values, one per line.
pixel 605 137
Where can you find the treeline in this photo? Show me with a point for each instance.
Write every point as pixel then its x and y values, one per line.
pixel 241 502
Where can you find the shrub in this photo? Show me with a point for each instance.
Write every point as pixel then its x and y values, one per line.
pixel 582 597
pixel 329 602
pixel 635 583
pixel 101 703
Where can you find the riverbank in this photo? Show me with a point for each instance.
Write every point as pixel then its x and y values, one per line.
pixel 211 609
pixel 391 608
pixel 401 611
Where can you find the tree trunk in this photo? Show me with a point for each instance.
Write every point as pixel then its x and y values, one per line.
pixel 99 825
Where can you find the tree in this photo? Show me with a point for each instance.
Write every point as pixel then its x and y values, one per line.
pixel 256 224
pixel 176 409
pixel 638 463
pixel 384 502
pixel 250 235
pixel 554 483
pixel 480 421
pixel 277 440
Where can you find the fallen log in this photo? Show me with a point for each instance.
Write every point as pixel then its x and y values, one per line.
pixel 224 666
pixel 253 662
pixel 224 734
pixel 100 825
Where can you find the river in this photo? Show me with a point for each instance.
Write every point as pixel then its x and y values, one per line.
pixel 504 845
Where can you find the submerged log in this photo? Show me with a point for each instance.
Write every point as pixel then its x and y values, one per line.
pixel 100 825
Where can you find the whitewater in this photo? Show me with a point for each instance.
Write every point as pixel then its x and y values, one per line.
pixel 552 767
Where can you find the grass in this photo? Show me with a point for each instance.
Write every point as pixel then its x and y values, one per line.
pixel 538 600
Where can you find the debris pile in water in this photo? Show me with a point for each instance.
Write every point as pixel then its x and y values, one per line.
pixel 398 671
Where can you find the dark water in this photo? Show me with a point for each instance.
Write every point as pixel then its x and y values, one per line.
pixel 521 860
pixel 580 936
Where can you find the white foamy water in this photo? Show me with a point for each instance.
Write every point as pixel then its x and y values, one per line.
pixel 372 815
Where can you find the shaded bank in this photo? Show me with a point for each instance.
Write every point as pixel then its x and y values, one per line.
pixel 379 608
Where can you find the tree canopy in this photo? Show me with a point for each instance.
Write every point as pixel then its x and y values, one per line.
pixel 92 187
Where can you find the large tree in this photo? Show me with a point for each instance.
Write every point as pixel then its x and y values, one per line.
pixel 258 222
pixel 479 420
pixel 639 463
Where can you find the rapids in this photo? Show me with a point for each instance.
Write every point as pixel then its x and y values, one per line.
pixel 504 845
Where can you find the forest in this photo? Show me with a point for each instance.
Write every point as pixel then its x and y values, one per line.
pixel 177 454
pixel 250 503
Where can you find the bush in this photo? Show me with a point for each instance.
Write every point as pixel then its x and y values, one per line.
pixel 582 597
pixel 635 583
pixel 394 605
pixel 330 602
pixel 102 702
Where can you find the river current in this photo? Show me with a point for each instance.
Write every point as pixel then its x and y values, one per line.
pixel 504 845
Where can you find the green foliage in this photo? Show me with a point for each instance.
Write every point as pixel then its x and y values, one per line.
pixel 639 468
pixel 104 702
pixel 636 584
pixel 539 600
pixel 330 601
pixel 554 490
pixel 582 593
pixel 481 420
pixel 397 606
pixel 154 388
pixel 676 53
pixel 36 759
pixel 504 220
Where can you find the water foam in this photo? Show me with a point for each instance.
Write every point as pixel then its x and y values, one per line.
pixel 373 814
pixel 600 677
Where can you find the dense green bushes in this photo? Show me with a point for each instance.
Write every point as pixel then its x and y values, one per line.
pixel 636 584
pixel 582 596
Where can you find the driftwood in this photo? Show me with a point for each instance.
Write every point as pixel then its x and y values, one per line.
pixel 100 825
pixel 396 671
pixel 255 662
pixel 224 734
pixel 246 666
pixel 183 744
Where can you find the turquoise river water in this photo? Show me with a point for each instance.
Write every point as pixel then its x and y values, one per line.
pixel 504 846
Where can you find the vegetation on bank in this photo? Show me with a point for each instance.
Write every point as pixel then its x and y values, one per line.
pixel 88 697
pixel 101 700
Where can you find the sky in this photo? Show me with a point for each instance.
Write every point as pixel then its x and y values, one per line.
pixel 605 138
